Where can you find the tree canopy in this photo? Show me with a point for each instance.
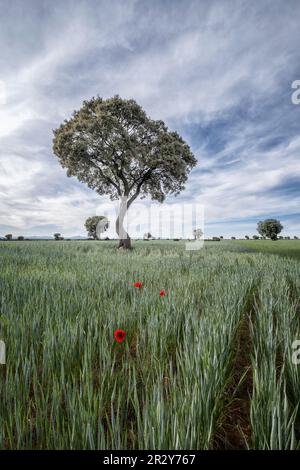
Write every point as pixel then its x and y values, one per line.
pixel 197 232
pixel 269 228
pixel 93 227
pixel 117 150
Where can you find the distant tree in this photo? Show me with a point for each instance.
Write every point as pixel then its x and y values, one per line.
pixel 233 238
pixel 287 238
pixel 147 236
pixel 197 233
pixel 116 149
pixel 20 238
pixel 221 237
pixel 96 225
pixel 296 238
pixel 247 237
pixel 57 236
pixel 8 237
pixel 269 228
pixel 216 239
pixel 255 237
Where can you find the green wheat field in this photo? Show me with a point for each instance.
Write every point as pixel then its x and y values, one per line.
pixel 207 366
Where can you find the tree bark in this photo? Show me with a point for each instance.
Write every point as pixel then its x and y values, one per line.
pixel 124 238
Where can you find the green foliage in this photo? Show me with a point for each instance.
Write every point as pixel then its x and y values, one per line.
pixel 91 226
pixel 269 228
pixel 275 400
pixel 116 149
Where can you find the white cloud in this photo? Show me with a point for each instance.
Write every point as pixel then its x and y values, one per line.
pixel 190 63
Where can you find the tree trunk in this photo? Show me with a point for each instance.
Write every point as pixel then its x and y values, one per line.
pixel 125 243
pixel 124 238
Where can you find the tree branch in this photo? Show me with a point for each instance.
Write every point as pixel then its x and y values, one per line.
pixel 107 178
pixel 139 186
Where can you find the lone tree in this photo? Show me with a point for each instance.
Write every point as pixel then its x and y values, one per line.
pixel 269 228
pixel 116 149
pixel 147 236
pixel 57 236
pixel 96 225
pixel 8 237
pixel 197 233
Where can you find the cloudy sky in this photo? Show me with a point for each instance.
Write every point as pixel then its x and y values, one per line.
pixel 218 72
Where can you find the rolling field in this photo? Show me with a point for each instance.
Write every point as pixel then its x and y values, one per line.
pixel 289 248
pixel 207 366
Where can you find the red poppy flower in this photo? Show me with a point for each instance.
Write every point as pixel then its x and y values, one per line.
pixel 138 285
pixel 120 335
pixel 162 293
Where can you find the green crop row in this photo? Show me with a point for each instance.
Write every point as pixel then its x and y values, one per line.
pixel 67 384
